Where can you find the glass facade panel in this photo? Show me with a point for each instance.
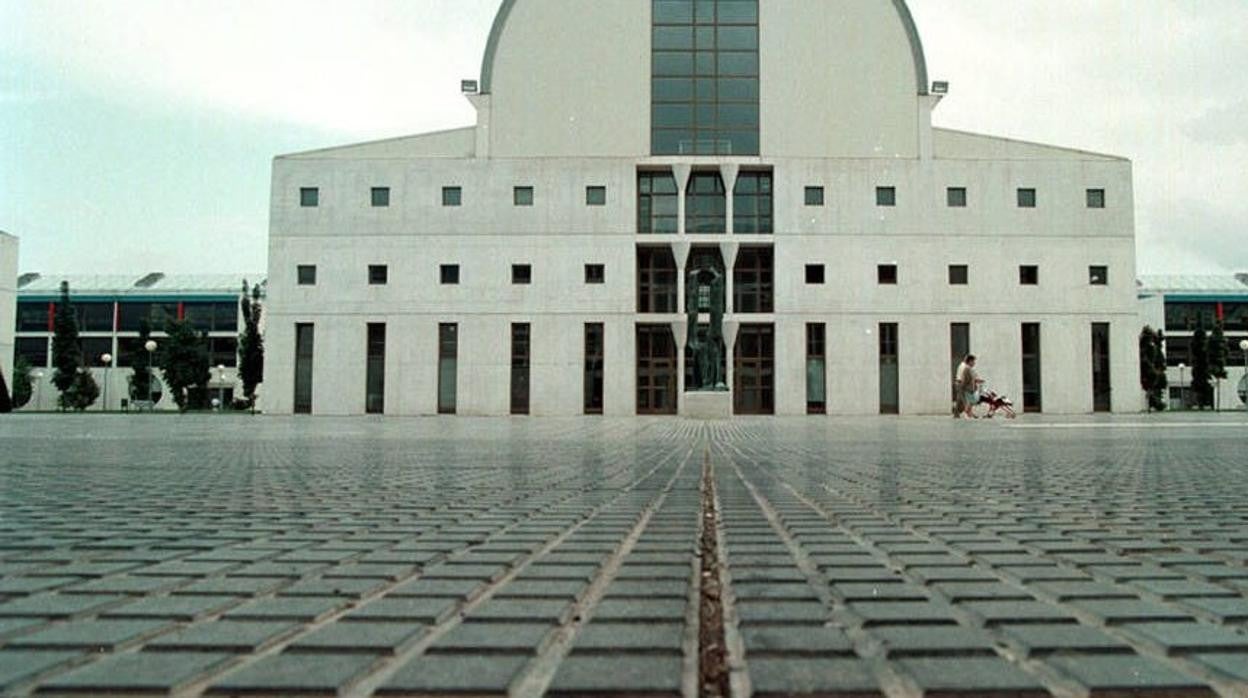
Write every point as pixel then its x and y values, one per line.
pixel 656 280
pixel 706 204
pixel 33 316
pixel 658 208
pixel 754 372
pixel 131 315
pixel 752 203
pixel 710 46
pixel 753 281
pixel 33 349
pixel 223 351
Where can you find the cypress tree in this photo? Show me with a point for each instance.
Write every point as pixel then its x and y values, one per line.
pixel 141 379
pixel 6 402
pixel 1152 370
pixel 1218 354
pixel 1201 386
pixel 251 344
pixel 22 389
pixel 184 361
pixel 66 352
pixel 1160 364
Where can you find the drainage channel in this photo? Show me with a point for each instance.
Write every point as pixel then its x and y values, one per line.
pixel 713 669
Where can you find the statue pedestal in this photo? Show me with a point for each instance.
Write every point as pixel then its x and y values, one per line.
pixel 708 405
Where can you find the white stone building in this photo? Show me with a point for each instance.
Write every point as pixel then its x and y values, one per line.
pixel 535 262
pixel 8 293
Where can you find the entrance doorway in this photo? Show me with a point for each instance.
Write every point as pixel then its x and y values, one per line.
pixel 656 370
pixel 754 370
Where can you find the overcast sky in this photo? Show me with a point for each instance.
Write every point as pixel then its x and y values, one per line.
pixel 137 134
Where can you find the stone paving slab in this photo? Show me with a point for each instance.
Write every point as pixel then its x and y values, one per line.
pixel 437 557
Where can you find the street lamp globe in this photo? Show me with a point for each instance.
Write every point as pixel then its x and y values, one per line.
pixel 106 359
pixel 1243 345
pixel 150 345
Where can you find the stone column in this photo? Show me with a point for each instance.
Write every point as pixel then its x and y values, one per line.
pixel 680 252
pixel 729 174
pixel 678 333
pixel 730 342
pixel 728 250
pixel 681 173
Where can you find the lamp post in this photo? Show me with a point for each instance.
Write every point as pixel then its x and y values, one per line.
pixel 107 360
pixel 221 386
pixel 1182 391
pixel 38 378
pixel 150 346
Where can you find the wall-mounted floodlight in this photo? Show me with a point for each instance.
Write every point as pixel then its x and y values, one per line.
pixel 469 87
pixel 940 87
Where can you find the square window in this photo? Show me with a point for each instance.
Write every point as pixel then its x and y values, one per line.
pixel 595 274
pixel 450 274
pixel 1096 198
pixel 1098 275
pixel 522 196
pixel 522 274
pixel 452 196
pixel 887 274
pixel 381 197
pixel 959 275
pixel 1029 275
pixel 306 274
pixel 378 274
pixel 1026 198
pixel 814 273
pixel 886 196
pixel 814 196
pixel 595 196
pixel 956 197
pixel 309 197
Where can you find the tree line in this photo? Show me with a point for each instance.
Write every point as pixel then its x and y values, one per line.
pixel 181 355
pixel 1208 355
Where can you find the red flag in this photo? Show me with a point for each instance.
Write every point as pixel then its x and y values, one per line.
pixel 1221 316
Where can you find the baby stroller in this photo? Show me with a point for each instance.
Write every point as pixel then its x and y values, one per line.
pixel 997 403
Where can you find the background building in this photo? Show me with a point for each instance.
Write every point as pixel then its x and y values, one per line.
pixel 537 261
pixel 8 280
pixel 1179 304
pixel 110 309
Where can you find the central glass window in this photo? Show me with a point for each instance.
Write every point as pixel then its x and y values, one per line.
pixel 704 77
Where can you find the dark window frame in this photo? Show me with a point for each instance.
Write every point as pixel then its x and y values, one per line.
pixel 814 196
pixel 753 203
pixel 1095 198
pixel 706 204
pixel 886 197
pixel 656 279
pixel 521 274
pixel 815 275
pixel 1028 275
pixel 448 274
pixel 658 202
pixel 379 197
pixel 305 274
pixel 1028 198
pixel 595 273
pixel 955 197
pixel 378 274
pixel 523 196
pixel 754 280
pixel 886 274
pixel 452 196
pixel 595 195
pixel 1098 275
pixel 959 275
pixel 309 197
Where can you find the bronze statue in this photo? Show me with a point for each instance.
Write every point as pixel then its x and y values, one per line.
pixel 706 350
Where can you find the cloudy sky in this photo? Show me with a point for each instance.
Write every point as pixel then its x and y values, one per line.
pixel 137 134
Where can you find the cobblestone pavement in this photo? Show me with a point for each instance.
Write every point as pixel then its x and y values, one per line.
pixel 235 556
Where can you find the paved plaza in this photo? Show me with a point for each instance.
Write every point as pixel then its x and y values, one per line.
pixel 235 556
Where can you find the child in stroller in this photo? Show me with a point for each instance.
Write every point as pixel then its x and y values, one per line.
pixel 996 403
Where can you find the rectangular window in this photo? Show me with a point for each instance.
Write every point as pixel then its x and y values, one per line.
pixel 375 369
pixel 1031 367
pixel 656 280
pixel 814 274
pixel 814 196
pixel 1096 198
pixel 452 196
pixel 959 349
pixel 522 196
pixel 890 393
pixel 34 316
pixel 753 281
pixel 378 274
pixel 752 204
pixel 1101 384
pixel 1029 275
pixel 223 351
pixel 33 349
pixel 211 317
pixel 1098 275
pixel 816 368
pixel 955 197
pixel 309 197
pixel 131 316
pixel 520 353
pixel 304 337
pixel 706 204
pixel 306 274
pixel 704 77
pixel 658 206
pixel 595 196
pixel 521 274
pixel 754 370
pixel 886 196
pixel 448 367
pixel 381 197
pixel 959 275
pixel 595 356
pixel 656 369
pixel 1026 198
pixel 595 274
pixel 449 274
pixel 886 274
